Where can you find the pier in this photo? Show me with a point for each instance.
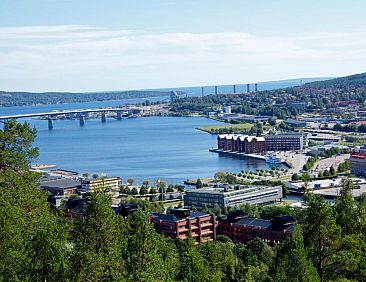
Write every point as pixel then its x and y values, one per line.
pixel 243 155
pixel 237 154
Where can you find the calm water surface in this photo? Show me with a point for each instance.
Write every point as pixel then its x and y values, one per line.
pixel 167 148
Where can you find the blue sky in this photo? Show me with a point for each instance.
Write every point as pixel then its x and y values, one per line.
pixel 90 45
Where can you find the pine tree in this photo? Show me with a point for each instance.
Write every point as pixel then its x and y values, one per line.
pixel 321 233
pixel 292 262
pixel 97 242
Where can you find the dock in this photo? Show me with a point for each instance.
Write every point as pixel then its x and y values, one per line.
pixel 237 154
pixel 243 156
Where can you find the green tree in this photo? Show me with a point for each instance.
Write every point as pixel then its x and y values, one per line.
pixel 292 262
pixel 193 266
pixel 16 151
pixel 98 245
pixel 152 190
pixel 295 177
pixel 143 190
pixel 199 183
pixel 231 178
pixel 134 191
pixel 345 209
pixel 321 234
pixel 148 256
pixel 332 171
pixel 32 240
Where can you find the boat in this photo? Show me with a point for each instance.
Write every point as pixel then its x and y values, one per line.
pixel 272 159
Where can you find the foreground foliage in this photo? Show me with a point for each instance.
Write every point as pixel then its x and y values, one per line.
pixel 38 245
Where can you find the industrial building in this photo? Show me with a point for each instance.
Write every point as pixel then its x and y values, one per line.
pixel 358 163
pixel 232 195
pixel 285 141
pixel 180 223
pixel 57 185
pixel 241 143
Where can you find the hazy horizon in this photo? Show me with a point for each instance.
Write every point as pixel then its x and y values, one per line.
pixel 91 45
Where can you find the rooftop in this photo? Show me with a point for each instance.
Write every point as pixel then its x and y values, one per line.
pixel 174 217
pixel 58 182
pixel 227 190
pixel 241 137
pixel 358 155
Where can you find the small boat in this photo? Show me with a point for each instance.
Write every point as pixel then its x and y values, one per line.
pixel 272 159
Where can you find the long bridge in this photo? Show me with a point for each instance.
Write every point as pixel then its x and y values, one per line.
pixel 81 114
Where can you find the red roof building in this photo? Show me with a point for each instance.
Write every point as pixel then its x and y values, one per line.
pixel 358 163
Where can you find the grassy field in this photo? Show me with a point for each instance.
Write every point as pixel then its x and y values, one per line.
pixel 236 127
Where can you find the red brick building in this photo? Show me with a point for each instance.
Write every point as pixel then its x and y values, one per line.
pixel 182 222
pixel 243 229
pixel 241 143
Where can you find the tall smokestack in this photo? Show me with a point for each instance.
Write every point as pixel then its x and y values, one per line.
pixel 256 87
pixel 215 90
pixel 234 86
pixel 202 91
pixel 248 88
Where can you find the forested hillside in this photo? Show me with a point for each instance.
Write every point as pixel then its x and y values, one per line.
pixel 28 98
pixel 342 83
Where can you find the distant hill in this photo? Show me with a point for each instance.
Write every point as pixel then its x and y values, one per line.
pixel 8 99
pixel 342 83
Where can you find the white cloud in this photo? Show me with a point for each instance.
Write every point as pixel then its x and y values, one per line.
pixel 86 58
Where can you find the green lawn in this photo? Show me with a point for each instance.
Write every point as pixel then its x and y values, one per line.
pixel 236 127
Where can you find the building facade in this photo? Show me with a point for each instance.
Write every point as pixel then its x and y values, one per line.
pixel 358 163
pixel 241 143
pixel 244 229
pixel 91 184
pixel 181 223
pixel 230 196
pixel 285 141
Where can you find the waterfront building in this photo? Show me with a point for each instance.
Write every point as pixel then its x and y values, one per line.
pixel 241 143
pixel 232 195
pixel 59 185
pixel 358 163
pixel 285 141
pixel 242 229
pixel 109 183
pixel 181 223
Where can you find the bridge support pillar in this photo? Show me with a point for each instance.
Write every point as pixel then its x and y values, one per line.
pixel 104 118
pixel 119 115
pixel 50 123
pixel 81 120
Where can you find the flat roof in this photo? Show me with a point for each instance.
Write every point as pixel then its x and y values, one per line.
pixel 58 182
pixel 256 222
pixel 230 190
pixel 174 218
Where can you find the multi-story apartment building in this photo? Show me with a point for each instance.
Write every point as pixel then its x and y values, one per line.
pixel 235 195
pixel 358 163
pixel 285 141
pixel 181 223
pixel 241 143
pixel 91 184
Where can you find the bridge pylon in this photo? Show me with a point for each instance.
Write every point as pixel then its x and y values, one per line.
pixel 81 120
pixel 104 117
pixel 50 123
